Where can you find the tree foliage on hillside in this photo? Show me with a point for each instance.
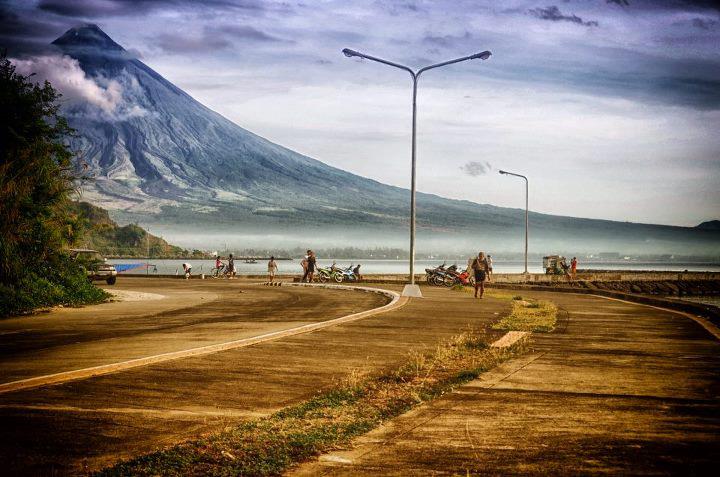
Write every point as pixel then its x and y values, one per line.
pixel 36 178
pixel 95 229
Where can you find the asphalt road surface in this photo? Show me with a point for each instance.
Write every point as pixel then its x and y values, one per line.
pixel 87 424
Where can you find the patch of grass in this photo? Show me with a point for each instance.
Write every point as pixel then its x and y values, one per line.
pixel 539 316
pixel 269 446
pixel 517 297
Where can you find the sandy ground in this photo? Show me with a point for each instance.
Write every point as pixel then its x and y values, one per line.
pixel 133 295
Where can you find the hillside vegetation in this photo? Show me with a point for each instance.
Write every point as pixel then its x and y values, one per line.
pixel 96 230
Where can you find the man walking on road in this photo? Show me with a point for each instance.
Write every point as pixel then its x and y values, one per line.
pixel 480 268
pixel 272 268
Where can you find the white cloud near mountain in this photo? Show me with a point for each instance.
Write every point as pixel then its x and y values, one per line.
pixel 81 94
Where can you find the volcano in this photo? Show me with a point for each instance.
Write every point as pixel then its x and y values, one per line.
pixel 159 157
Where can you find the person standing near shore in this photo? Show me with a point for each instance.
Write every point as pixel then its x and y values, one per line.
pixel 272 268
pixel 311 261
pixel 573 267
pixel 304 265
pixel 480 268
pixel 231 266
pixel 489 268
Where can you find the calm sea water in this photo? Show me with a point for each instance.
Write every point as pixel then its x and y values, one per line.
pixel 171 267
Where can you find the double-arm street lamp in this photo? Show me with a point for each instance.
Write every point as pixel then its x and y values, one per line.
pixel 526 213
pixel 412 289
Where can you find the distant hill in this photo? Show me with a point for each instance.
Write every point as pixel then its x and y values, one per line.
pixel 99 232
pixel 161 158
pixel 709 225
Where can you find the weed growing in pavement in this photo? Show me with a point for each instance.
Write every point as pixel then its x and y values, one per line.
pixel 529 315
pixel 526 314
pixel 271 445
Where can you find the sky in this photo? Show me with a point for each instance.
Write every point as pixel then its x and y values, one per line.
pixel 610 107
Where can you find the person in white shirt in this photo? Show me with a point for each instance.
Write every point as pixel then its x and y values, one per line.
pixel 187 268
pixel 272 268
pixel 490 271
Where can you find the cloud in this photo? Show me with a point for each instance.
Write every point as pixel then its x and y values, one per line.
pixel 622 3
pixel 82 95
pixel 476 168
pixel 110 8
pixel 244 32
pixel 25 34
pixel 182 43
pixel 704 23
pixel 446 40
pixel 553 13
pixel 213 39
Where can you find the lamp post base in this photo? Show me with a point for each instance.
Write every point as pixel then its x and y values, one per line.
pixel 412 290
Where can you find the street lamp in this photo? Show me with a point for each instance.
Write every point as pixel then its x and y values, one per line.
pixel 526 213
pixel 412 289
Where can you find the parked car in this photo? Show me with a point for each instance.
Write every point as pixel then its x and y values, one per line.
pixel 94 265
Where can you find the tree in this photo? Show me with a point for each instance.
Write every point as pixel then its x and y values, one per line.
pixel 36 179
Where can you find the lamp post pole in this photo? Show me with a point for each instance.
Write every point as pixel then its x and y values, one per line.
pixel 526 213
pixel 412 289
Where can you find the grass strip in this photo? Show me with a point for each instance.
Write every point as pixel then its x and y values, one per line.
pixel 529 315
pixel 357 404
pixel 526 314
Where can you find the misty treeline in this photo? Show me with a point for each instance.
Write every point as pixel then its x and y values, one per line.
pixel 36 181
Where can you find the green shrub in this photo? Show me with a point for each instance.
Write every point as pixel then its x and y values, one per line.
pixel 59 283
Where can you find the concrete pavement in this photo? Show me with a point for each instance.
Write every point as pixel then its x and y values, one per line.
pixel 618 388
pixel 87 424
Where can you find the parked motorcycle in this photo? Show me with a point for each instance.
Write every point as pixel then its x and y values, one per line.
pixel 329 274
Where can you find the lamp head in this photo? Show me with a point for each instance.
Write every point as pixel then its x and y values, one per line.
pixel 483 56
pixel 350 53
pixel 502 172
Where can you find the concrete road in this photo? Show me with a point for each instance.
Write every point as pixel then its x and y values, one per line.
pixel 618 388
pixel 87 424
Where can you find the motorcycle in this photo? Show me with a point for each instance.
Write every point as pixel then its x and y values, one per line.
pixel 329 274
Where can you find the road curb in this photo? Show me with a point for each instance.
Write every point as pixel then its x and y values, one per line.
pixel 396 301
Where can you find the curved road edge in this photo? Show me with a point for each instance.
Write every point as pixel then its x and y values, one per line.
pixel 396 301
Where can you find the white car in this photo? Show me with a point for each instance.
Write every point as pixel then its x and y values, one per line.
pixel 94 265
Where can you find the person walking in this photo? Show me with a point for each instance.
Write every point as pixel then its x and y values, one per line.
pixel 304 265
pixel 187 268
pixel 231 266
pixel 489 268
pixel 480 268
pixel 311 262
pixel 272 268
pixel 573 267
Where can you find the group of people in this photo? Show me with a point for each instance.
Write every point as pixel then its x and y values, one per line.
pixel 221 268
pixel 481 267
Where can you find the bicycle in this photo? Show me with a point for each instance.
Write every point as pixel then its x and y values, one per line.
pixel 220 272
